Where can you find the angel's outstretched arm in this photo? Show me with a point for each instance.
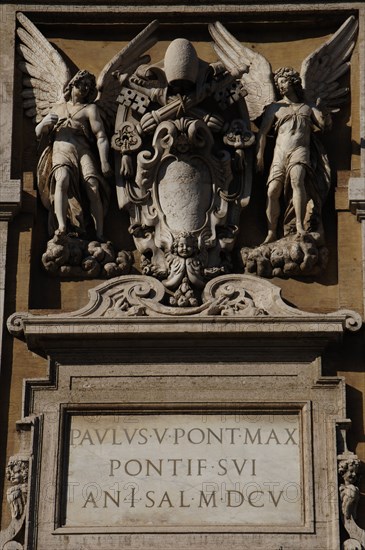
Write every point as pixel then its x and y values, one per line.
pixel 46 124
pixel 321 116
pixel 102 142
pixel 267 123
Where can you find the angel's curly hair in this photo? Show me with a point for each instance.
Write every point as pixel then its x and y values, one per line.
pixel 81 75
pixel 292 76
pixel 23 467
pixel 186 235
pixel 349 464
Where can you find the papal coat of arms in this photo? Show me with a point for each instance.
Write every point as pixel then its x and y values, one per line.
pixel 184 156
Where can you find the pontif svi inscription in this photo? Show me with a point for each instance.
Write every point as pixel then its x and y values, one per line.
pixel 184 470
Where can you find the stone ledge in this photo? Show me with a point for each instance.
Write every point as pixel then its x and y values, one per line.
pixel 357 197
pixel 242 309
pixel 10 199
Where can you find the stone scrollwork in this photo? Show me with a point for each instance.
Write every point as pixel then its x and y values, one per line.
pixel 136 296
pixel 15 324
pixel 183 138
pixel 353 320
pixel 233 295
pixel 148 297
pixel 243 296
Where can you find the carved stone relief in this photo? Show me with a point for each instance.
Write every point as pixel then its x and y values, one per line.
pixel 348 469
pixel 300 173
pixel 183 156
pixel 96 366
pixel 180 130
pixel 73 175
pixel 18 474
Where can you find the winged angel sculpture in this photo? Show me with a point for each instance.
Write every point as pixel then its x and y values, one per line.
pixel 184 156
pixel 74 112
pixel 299 177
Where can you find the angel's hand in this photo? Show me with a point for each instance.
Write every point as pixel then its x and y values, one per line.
pixel 48 122
pixel 148 123
pixel 120 76
pixel 126 168
pixel 237 72
pixel 322 115
pixel 106 169
pixel 215 122
pixel 321 106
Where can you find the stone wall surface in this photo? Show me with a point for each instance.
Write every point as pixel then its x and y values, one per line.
pixel 303 361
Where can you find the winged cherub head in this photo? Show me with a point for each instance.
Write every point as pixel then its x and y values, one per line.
pixel 286 77
pixel 17 469
pixel 185 245
pixel 86 84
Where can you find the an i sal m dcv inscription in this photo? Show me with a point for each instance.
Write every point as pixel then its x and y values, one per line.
pixel 184 470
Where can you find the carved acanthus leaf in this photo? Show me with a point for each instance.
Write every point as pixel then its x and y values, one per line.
pixel 245 296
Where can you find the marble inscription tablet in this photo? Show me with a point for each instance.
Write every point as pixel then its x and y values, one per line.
pixel 173 469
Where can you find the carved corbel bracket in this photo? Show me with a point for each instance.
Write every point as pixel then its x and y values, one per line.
pixel 349 494
pixel 18 473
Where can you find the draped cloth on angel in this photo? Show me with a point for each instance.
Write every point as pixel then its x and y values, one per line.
pixel 71 148
pixel 317 185
pixel 285 155
pixel 314 159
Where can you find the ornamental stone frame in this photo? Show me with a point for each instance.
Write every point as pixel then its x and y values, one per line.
pixel 235 367
pixel 128 359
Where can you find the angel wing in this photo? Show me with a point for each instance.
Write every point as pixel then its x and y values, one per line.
pixel 257 81
pixel 321 70
pixel 46 73
pixel 124 62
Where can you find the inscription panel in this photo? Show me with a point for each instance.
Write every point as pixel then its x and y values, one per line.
pixel 190 470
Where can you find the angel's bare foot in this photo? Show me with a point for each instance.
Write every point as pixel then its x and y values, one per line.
pixel 61 230
pixel 301 231
pixel 271 237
